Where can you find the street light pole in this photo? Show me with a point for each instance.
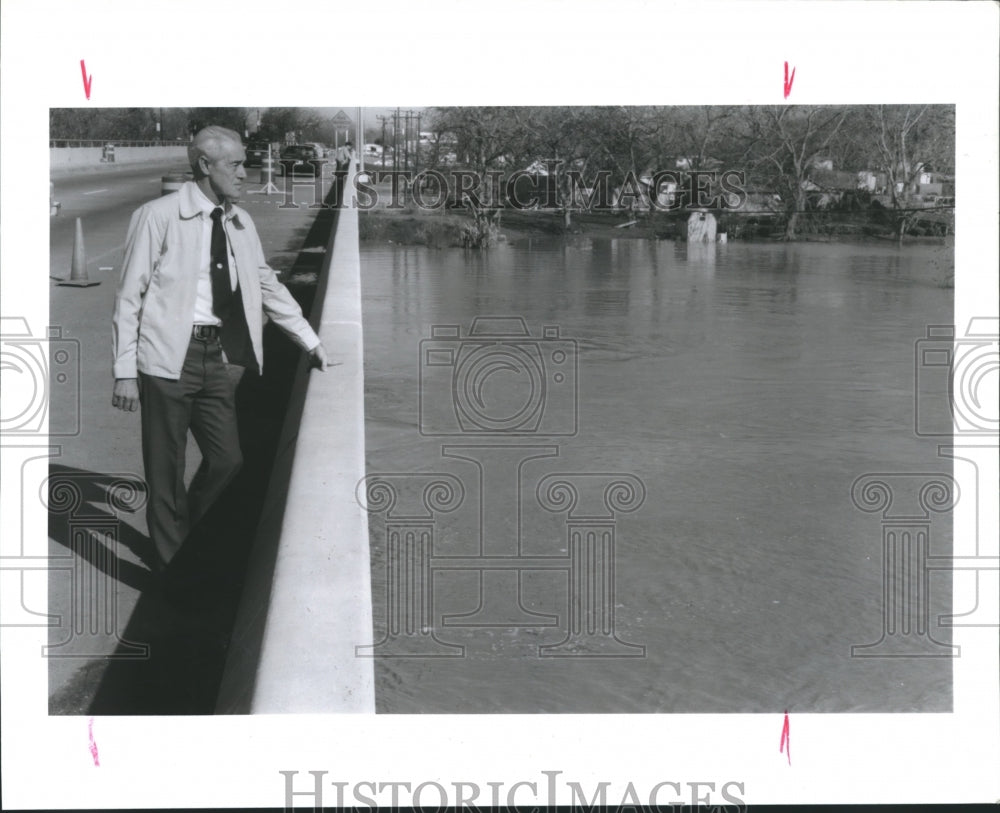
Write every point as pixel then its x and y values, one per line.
pixel 416 157
pixel 360 136
pixel 383 119
pixel 395 139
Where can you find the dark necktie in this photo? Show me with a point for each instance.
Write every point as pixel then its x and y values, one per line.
pixel 222 293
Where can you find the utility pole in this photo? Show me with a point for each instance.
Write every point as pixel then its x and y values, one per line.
pixel 395 139
pixel 416 158
pixel 384 145
pixel 409 135
pixel 406 140
pixel 360 140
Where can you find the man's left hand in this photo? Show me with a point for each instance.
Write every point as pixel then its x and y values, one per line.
pixel 318 359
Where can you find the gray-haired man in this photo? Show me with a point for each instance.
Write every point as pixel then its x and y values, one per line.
pixel 187 322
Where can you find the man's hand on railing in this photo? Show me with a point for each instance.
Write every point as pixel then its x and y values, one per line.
pixel 318 359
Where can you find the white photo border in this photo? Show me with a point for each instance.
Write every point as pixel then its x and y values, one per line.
pixel 432 53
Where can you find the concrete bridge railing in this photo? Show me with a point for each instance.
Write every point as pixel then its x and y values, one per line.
pixel 65 159
pixel 307 599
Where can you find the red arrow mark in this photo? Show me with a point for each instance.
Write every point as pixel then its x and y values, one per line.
pixel 87 80
pixel 93 744
pixel 788 80
pixel 786 740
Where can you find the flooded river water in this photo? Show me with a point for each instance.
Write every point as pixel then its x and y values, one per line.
pixel 644 454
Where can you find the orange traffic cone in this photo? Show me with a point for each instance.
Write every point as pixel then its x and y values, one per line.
pixel 78 270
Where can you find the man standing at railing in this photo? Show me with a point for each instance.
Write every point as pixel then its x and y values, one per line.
pixel 187 323
pixel 344 154
pixel 342 164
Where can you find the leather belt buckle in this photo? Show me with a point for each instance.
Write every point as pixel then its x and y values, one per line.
pixel 205 333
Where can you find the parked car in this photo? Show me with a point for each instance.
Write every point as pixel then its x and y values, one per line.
pixel 301 154
pixel 256 153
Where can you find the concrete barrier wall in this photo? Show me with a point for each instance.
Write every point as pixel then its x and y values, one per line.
pixel 307 599
pixel 71 157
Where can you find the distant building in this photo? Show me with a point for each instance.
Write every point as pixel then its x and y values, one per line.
pixel 827 187
pixel 868 180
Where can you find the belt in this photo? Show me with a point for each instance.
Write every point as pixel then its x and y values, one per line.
pixel 205 333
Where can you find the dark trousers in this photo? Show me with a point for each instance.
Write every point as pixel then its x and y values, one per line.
pixel 203 400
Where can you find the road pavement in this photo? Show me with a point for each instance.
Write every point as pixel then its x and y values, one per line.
pixel 102 575
pixel 104 203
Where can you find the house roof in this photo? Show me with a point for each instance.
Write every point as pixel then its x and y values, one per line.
pixel 833 179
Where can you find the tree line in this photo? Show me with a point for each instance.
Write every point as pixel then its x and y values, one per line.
pixel 778 148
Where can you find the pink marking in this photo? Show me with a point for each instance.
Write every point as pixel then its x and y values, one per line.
pixel 786 740
pixel 93 745
pixel 88 80
pixel 788 81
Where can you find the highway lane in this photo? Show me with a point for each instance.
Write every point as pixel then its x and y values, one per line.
pixel 104 202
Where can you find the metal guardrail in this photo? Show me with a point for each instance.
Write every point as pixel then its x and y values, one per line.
pixel 117 142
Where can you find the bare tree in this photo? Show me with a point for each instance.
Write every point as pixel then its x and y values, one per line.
pixel 570 141
pixel 232 117
pixel 782 145
pixel 485 139
pixel 700 133
pixel 905 141
pixel 276 122
pixel 112 124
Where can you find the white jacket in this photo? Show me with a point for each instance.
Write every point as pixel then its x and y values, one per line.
pixel 154 303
